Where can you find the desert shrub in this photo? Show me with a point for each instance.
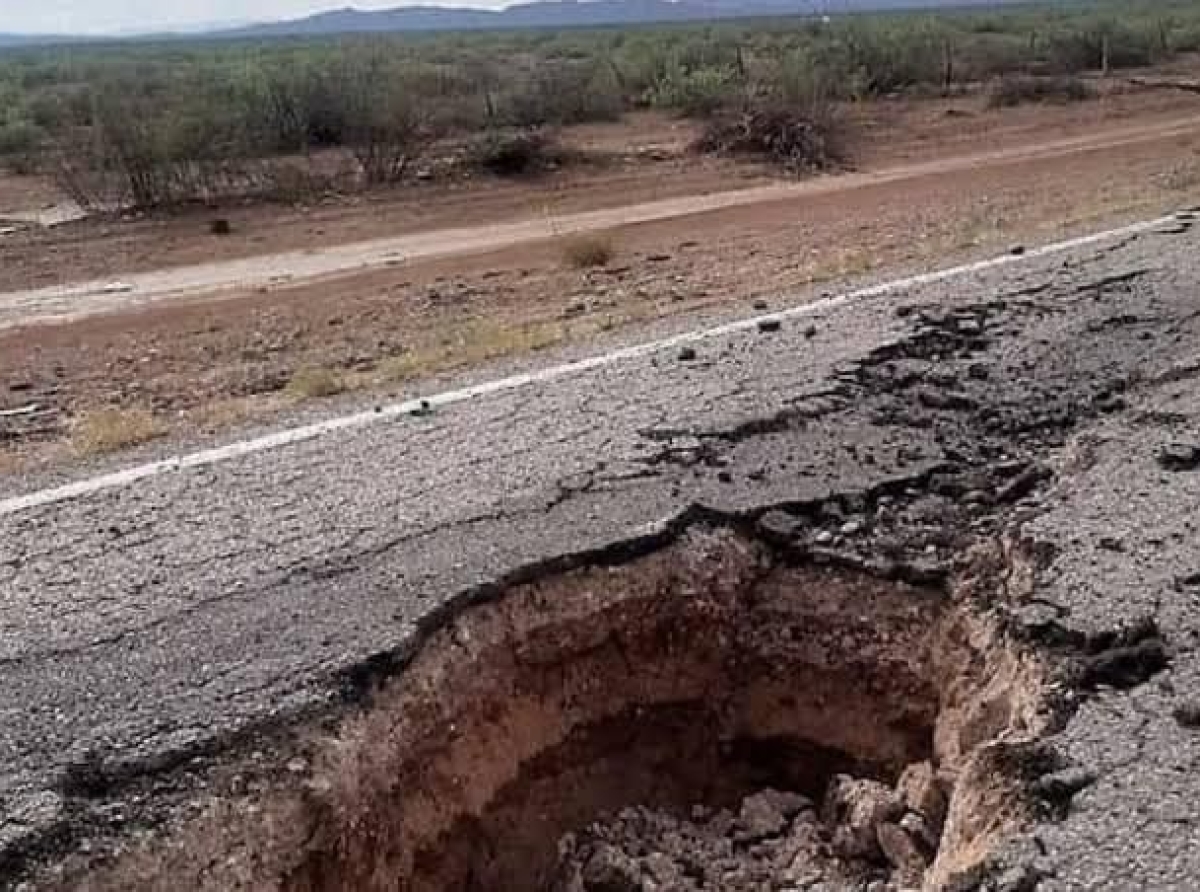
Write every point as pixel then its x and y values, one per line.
pixel 887 59
pixel 113 429
pixel 19 138
pixel 810 79
pixel 384 123
pixel 1082 49
pixel 302 106
pixel 559 94
pixel 588 251
pixel 185 121
pixel 1185 38
pixel 511 152
pixel 316 383
pixel 796 139
pixel 984 56
pixel 697 93
pixel 1018 89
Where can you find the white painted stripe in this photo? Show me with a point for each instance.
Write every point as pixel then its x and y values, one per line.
pixel 288 437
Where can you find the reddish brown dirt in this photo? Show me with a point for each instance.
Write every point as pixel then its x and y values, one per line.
pixel 204 364
pixel 640 159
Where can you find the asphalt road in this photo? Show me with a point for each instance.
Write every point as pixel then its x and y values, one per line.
pixel 161 614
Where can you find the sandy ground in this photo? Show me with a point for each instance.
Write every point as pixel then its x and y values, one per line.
pixel 934 182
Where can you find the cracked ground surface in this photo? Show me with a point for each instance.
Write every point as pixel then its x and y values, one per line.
pixel 149 631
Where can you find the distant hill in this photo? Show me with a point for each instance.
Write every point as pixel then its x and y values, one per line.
pixel 14 40
pixel 568 14
pixel 538 14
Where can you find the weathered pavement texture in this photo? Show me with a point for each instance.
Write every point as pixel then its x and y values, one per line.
pixel 146 624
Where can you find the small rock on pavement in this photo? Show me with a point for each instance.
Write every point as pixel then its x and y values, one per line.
pixel 852 528
pixel 1061 786
pixel 1187 715
pixel 824 538
pixel 1180 457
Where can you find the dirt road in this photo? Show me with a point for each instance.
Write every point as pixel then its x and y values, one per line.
pixel 70 302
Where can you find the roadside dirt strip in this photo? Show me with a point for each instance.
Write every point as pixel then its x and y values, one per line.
pixel 69 302
pixel 896 589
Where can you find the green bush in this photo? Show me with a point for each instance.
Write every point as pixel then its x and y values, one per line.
pixel 1018 89
pixel 185 121
pixel 697 93
pixel 516 152
pixel 19 139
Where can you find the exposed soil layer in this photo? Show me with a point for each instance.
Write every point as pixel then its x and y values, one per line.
pixel 711 693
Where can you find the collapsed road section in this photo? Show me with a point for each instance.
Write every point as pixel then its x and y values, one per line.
pixel 900 596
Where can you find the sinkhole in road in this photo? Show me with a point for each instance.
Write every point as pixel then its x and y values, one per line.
pixel 701 711
pixel 707 715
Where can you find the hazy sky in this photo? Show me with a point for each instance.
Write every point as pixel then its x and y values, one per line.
pixel 77 16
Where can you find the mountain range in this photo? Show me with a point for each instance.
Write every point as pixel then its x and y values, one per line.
pixel 538 14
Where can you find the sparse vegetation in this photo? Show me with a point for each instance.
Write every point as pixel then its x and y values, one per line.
pixel 316 383
pixel 778 132
pixel 588 251
pixel 508 153
pixel 1018 89
pixel 113 429
pixel 154 125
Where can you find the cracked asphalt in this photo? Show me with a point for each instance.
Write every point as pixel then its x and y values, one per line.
pixel 1051 401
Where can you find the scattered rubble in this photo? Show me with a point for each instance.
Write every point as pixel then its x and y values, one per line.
pixel 859 838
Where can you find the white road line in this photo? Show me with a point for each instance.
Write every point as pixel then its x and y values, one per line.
pixel 288 437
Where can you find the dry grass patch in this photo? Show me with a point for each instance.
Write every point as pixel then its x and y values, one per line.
pixel 1184 176
pixel 113 429
pixel 317 384
pixel 477 342
pixel 589 251
pixel 10 462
